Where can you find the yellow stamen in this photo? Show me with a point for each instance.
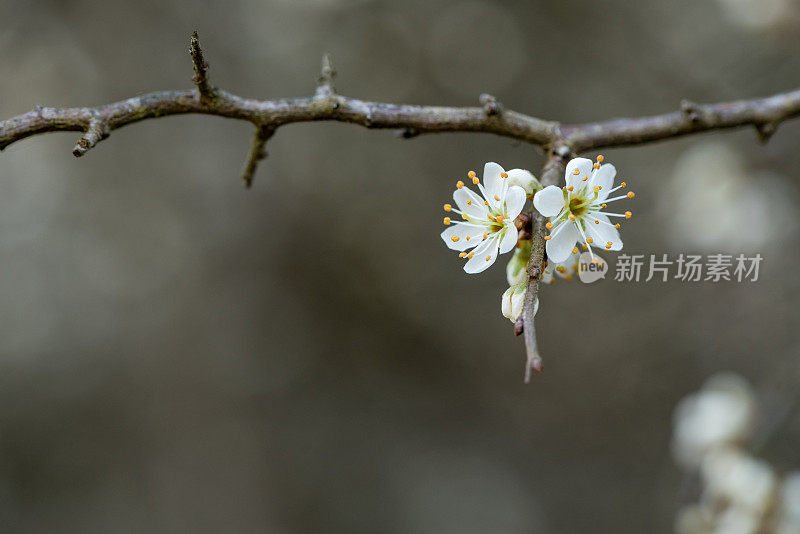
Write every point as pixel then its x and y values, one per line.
pixel 571 217
pixel 503 175
pixel 569 188
pixel 631 194
pixel 596 221
pixel 446 221
pixel 608 245
pixel 459 184
pixel 628 215
pixel 470 255
pixel 447 207
pixel 548 237
pixel 597 188
pixel 574 250
pixel 485 234
pixel 488 258
pixel 589 240
pixel 499 218
pixel 475 180
pixel 497 198
pixel 549 226
pixel 603 205
pixel 454 238
pixel 600 158
pixel 462 254
pixel 616 225
pixel 471 174
pixel 468 238
pixel 576 172
pixel 561 269
pixel 623 184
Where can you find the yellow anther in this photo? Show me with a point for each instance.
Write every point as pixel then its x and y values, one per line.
pixel 597 188
pixel 470 255
pixel 475 180
pixel 471 174
pixel 628 215
pixel 499 218
pixel 571 217
pixel 623 184
pixel 608 245
pixel 574 250
pixel 548 237
pixel 603 205
pixel 485 235
pixel 568 277
pixel 467 238
pixel 596 166
pixel 569 188
pixel 561 269
pixel 549 226
pixel 447 207
pixel 631 194
pixel 616 225
pixel 469 203
pixel 597 221
pixel 576 172
pixel 503 175
pixel 600 158
pixel 459 184
pixel 497 198
pixel 462 254
pixel 454 238
pixel 488 258
pixel 446 221
pixel 589 240
pixel 585 178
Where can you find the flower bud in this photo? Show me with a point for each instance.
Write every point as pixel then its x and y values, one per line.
pixel 525 180
pixel 516 270
pixel 514 301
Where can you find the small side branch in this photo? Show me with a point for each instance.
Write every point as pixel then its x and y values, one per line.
pixel 95 132
pixel 327 75
pixel 257 153
pixel 205 89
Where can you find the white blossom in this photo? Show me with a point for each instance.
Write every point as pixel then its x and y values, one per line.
pixel 575 211
pixel 488 227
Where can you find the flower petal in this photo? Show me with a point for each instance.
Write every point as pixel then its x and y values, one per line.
pixel 469 235
pixel 604 177
pixel 549 201
pixel 602 233
pixel 584 167
pixel 509 239
pixel 562 241
pixel 515 200
pixel 485 256
pixel 470 203
pixel 492 181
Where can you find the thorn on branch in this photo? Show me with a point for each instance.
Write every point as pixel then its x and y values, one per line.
pixel 326 76
pixel 95 132
pixel 765 130
pixel 407 133
pixel 257 153
pixel 206 90
pixel 490 104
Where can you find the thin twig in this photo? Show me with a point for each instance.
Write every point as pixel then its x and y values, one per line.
pixel 257 153
pixel 96 131
pixel 205 89
pixel 326 77
pixel 551 173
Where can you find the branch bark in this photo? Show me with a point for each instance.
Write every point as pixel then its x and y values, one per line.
pixel 551 174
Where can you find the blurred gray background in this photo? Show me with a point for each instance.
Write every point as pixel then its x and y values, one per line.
pixel 178 354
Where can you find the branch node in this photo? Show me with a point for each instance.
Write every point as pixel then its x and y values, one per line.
pixel 95 132
pixel 326 76
pixel 490 104
pixel 257 153
pixel 534 364
pixel 519 327
pixel 765 130
pixel 206 91
pixel 691 110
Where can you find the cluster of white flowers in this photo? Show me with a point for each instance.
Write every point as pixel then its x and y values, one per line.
pixel 490 227
pixel 741 494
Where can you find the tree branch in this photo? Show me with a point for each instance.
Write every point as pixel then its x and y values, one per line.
pixel 205 89
pixel 257 153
